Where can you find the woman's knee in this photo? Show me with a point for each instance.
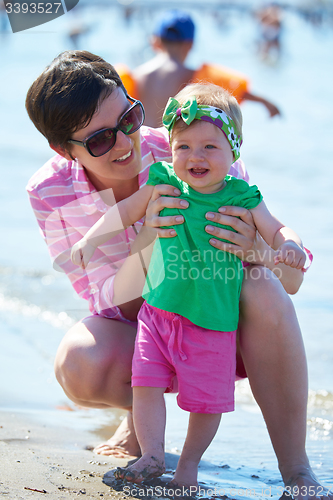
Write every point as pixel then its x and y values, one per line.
pixel 263 295
pixel 92 353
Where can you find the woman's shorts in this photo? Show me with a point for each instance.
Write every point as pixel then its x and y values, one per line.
pixel 204 361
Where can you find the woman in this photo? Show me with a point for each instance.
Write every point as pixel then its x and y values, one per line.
pixel 80 105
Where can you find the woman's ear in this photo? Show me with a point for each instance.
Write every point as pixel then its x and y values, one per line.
pixel 62 152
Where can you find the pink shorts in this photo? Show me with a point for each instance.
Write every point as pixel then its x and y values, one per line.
pixel 204 361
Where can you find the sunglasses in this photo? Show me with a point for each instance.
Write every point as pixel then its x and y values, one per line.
pixel 102 141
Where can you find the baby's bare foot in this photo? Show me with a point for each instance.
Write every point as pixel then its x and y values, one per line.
pixel 146 467
pixel 181 491
pixel 186 475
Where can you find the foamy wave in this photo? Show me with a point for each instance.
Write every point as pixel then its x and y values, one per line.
pixel 318 400
pixel 23 308
pixel 321 399
pixel 320 429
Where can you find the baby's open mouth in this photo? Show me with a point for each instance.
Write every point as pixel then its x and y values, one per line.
pixel 198 172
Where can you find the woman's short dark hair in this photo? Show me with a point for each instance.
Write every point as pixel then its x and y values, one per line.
pixel 65 96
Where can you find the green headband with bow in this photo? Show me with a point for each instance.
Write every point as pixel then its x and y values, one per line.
pixel 191 110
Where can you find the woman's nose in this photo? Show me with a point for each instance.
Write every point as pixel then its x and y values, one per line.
pixel 122 141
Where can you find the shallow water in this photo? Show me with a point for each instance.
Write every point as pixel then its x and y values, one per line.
pixel 288 157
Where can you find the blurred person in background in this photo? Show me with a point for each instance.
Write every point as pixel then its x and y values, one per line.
pixel 154 81
pixel 270 29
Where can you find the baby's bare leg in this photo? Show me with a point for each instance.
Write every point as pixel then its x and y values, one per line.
pixel 201 431
pixel 149 422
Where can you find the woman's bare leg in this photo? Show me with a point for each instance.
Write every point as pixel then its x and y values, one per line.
pixel 273 353
pixel 93 366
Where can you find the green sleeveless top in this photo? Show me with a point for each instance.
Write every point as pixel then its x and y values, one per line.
pixel 188 276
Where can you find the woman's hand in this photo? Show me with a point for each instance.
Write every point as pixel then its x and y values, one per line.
pixel 245 242
pixel 164 196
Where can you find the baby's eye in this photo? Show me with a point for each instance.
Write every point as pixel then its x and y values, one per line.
pixel 183 146
pixel 210 146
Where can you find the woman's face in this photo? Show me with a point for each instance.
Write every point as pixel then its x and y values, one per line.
pixel 123 161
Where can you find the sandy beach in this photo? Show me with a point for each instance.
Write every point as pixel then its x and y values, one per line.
pixel 39 459
pixel 41 454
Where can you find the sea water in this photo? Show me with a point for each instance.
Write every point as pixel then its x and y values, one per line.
pixel 289 157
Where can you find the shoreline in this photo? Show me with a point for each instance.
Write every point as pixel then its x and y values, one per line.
pixel 49 453
pixel 43 453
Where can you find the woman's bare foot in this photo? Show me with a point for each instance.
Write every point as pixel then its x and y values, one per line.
pixel 146 467
pixel 304 485
pixel 123 444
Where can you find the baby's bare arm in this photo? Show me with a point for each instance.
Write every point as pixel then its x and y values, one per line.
pixel 248 245
pixel 117 218
pixel 287 243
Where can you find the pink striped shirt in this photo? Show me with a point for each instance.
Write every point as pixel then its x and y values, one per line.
pixel 66 205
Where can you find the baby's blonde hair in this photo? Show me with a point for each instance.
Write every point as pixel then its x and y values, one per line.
pixel 209 94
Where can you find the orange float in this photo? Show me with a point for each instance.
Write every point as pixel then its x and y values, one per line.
pixel 128 80
pixel 234 82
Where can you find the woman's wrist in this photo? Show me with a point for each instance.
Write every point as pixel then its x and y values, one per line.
pixel 265 255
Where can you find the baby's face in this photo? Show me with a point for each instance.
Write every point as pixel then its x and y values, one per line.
pixel 201 156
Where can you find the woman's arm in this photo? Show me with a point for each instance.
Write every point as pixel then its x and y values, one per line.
pixel 60 234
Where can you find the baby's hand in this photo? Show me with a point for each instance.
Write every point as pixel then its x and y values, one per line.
pixel 82 252
pixel 290 254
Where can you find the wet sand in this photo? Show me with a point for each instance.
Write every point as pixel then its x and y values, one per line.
pixel 42 454
pixel 39 459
